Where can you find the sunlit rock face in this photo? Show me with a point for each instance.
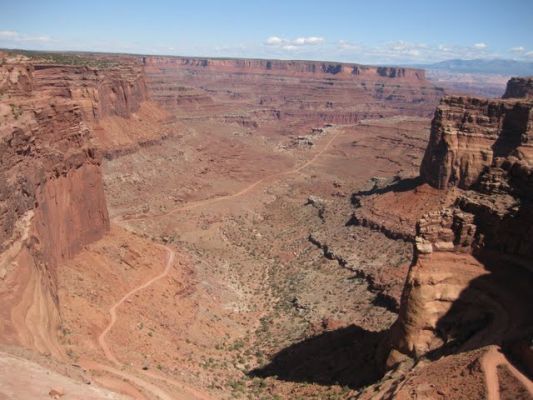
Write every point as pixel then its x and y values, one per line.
pixel 472 269
pixel 468 133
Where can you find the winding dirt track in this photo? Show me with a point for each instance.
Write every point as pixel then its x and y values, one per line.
pixel 113 310
pixel 187 392
pixel 490 362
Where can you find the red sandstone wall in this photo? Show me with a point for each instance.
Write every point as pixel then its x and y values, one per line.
pixel 296 68
pixel 71 212
pixel 52 200
pixel 100 93
pixel 519 88
pixel 468 133
pixel 469 285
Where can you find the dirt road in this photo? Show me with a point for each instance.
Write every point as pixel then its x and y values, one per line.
pixel 490 362
pixel 113 310
pixel 184 392
pixel 247 189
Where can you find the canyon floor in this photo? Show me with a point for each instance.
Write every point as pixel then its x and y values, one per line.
pixel 249 306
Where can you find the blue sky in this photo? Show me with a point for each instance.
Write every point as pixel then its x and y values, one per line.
pixel 378 31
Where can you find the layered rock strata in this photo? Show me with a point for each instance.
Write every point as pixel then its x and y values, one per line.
pixel 317 92
pixel 519 88
pixel 470 283
pixel 296 68
pixel 468 133
pixel 54 121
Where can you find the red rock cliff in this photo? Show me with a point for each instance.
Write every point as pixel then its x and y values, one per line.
pixel 117 91
pixel 288 67
pixel 519 88
pixel 468 133
pixel 52 200
pixel 317 92
pixel 469 285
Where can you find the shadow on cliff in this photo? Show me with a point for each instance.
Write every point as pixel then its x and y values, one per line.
pixel 514 124
pixel 397 185
pixel 345 356
pixel 495 309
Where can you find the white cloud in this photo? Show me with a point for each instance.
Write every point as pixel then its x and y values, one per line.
pixel 308 40
pixel 274 41
pixel 13 37
pixel 345 45
pixel 289 47
pixel 301 47
pixel 294 44
pixel 404 47
pixel 407 52
pixel 8 34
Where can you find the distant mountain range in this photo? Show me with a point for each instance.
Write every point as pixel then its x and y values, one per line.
pixel 483 66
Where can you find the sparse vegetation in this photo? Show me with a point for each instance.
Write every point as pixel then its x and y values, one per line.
pixel 15 110
pixel 65 58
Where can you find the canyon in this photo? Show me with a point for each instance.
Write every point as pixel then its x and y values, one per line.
pixel 200 228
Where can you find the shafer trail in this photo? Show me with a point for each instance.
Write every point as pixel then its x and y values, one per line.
pixel 113 310
pixel 490 362
pixel 189 393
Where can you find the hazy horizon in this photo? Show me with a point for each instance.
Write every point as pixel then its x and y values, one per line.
pixel 414 32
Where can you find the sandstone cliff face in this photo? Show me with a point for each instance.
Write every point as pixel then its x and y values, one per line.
pixel 519 88
pixel 296 68
pixel 15 77
pixel 113 99
pixel 314 92
pixel 469 285
pixel 47 150
pixel 52 200
pixel 101 93
pixel 468 133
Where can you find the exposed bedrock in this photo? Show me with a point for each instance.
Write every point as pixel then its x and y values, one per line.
pixel 519 87
pixel 51 190
pixel 100 93
pixel 113 101
pixel 467 134
pixel 470 283
pixel 308 90
pixel 287 67
pixel 46 151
